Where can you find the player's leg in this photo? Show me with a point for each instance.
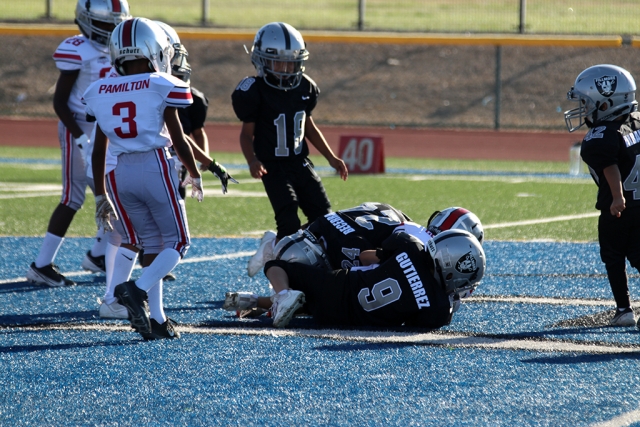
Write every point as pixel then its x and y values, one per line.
pixel 74 183
pixel 613 238
pixel 312 196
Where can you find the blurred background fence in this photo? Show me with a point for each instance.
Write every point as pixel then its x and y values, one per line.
pixel 588 17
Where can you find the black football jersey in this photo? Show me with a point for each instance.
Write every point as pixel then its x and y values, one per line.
pixel 611 143
pixel 348 232
pixel 401 290
pixel 194 116
pixel 279 116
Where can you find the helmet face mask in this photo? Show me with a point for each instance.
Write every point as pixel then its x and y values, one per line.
pixel 604 93
pixel 98 18
pixel 179 62
pixel 458 261
pixel 456 218
pixel 278 53
pixel 140 38
pixel 303 248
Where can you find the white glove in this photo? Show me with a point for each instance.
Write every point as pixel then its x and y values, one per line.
pixel 104 212
pixel 196 187
pixel 83 142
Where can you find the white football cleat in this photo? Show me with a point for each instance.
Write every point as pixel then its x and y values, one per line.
pixel 238 301
pixel 285 307
pixel 263 254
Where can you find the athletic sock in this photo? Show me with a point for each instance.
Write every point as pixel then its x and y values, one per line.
pixel 124 262
pixel 156 309
pixel 99 243
pixel 160 267
pixel 49 249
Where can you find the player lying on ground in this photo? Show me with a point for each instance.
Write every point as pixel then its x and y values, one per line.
pixel 414 285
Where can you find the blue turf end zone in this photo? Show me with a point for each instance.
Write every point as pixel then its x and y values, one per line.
pixel 540 305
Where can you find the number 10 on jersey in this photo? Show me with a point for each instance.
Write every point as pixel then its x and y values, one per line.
pixel 362 154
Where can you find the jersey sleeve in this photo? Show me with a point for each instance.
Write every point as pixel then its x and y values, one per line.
pixel 69 54
pixel 605 152
pixel 246 100
pixel 314 92
pixel 177 93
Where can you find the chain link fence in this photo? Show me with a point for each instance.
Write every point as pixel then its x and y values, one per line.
pixel 588 17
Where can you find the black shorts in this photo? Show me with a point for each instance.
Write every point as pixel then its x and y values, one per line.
pixel 291 185
pixel 620 237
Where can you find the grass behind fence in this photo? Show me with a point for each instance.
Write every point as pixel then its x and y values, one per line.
pixel 489 16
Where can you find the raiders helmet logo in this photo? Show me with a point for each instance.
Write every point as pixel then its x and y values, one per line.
pixel 466 264
pixel 606 85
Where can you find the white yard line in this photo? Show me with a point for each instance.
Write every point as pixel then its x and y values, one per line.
pixel 542 220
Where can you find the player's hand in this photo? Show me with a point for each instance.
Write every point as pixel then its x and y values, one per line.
pixel 257 169
pixel 196 187
pixel 340 167
pixel 617 206
pixel 104 212
pixel 82 142
pixel 221 173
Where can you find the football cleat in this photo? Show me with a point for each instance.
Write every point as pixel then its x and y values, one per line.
pixel 48 275
pixel 263 254
pixel 134 299
pixel 162 331
pixel 623 318
pixel 238 301
pixel 94 264
pixel 113 311
pixel 285 307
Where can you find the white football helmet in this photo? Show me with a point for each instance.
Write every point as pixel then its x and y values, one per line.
pixel 140 38
pixel 458 260
pixel 278 53
pixel 98 18
pixel 304 248
pixel 596 86
pixel 456 218
pixel 179 65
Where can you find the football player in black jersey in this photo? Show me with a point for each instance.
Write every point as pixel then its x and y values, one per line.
pixel 413 285
pixel 275 108
pixel 607 105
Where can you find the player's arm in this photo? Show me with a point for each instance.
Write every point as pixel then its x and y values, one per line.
pixel 246 144
pixel 180 144
pixel 98 160
pixel 612 174
pixel 201 140
pixel 211 165
pixel 64 85
pixel 316 138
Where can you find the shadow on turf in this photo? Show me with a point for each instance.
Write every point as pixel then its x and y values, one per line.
pixel 572 359
pixel 49 347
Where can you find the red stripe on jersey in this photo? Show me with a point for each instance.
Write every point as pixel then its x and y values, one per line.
pixel 452 218
pixel 67 56
pixel 130 232
pixel 127 37
pixel 115 5
pixel 180 95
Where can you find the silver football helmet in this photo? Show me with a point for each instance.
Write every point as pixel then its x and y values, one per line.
pixel 596 86
pixel 278 53
pixel 140 38
pixel 98 18
pixel 304 248
pixel 458 260
pixel 179 65
pixel 456 218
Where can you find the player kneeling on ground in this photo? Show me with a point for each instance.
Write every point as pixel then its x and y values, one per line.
pixel 412 286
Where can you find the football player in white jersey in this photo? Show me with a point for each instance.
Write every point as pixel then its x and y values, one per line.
pixel 81 59
pixel 137 121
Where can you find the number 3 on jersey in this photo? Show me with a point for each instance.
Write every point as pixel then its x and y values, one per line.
pixel 127 111
pixel 298 133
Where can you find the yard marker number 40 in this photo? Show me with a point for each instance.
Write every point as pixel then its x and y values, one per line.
pixel 362 154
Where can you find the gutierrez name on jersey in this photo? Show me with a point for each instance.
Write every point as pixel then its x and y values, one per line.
pixel 414 280
pixel 339 223
pixel 124 87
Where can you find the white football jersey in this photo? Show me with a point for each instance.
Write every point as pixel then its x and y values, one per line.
pixel 77 53
pixel 130 109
